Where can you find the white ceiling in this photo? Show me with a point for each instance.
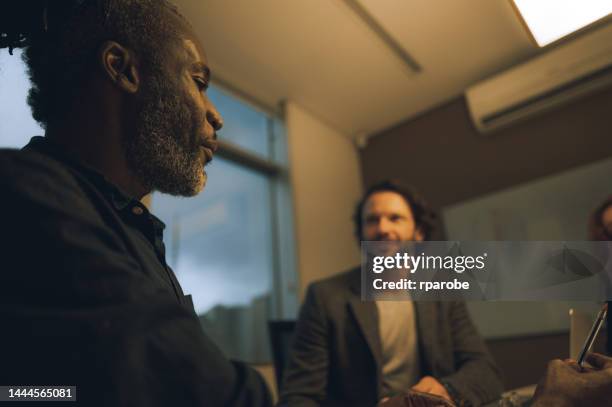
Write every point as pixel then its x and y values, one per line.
pixel 320 54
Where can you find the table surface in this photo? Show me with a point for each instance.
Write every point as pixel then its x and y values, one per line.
pixel 521 394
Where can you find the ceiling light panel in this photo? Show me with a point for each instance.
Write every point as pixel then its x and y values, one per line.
pixel 550 20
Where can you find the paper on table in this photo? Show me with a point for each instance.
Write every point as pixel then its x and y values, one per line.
pixel 417 399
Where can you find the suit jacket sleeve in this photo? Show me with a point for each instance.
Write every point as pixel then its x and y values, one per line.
pixel 477 379
pixel 77 309
pixel 305 379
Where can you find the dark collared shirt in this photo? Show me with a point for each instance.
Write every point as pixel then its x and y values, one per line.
pixel 87 299
pixel 143 229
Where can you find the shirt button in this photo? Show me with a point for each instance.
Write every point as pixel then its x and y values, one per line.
pixel 137 210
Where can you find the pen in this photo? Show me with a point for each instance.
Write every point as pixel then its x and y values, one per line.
pixel 601 316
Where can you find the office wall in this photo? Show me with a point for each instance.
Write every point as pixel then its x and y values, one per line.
pixel 456 167
pixel 442 154
pixel 326 182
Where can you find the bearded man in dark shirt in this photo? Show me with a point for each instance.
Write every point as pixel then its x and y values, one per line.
pixel 86 296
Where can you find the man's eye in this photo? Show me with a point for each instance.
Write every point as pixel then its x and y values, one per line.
pixel 202 84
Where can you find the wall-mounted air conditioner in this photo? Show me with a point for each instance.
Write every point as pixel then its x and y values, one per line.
pixel 561 74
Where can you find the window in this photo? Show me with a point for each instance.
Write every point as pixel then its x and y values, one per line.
pixel 229 246
pixel 16 123
pixel 224 244
pixel 244 126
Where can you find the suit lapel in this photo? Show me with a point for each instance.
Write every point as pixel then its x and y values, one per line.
pixel 366 317
pixel 426 318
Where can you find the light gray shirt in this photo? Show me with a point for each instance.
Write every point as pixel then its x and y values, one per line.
pixel 398 336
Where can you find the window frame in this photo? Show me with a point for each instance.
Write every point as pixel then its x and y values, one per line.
pixel 284 288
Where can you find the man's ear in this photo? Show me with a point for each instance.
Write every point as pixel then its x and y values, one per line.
pixel 119 65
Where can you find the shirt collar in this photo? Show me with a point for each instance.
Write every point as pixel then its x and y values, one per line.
pixel 120 200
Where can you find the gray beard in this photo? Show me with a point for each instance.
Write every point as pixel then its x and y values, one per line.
pixel 164 152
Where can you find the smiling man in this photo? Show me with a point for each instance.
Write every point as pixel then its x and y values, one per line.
pixel 352 352
pixel 86 296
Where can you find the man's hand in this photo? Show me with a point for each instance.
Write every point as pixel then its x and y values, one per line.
pixel 430 385
pixel 566 384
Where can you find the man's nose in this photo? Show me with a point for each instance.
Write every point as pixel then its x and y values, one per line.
pixel 384 226
pixel 214 117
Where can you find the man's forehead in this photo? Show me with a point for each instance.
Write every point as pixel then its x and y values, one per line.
pixel 195 52
pixel 386 201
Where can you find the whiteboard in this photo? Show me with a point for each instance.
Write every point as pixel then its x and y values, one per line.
pixel 555 207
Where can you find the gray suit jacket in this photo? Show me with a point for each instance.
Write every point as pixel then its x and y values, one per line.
pixel 336 355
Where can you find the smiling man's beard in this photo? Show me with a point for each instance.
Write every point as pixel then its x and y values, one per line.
pixel 164 150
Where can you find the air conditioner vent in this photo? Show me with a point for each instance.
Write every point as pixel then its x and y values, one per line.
pixel 562 74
